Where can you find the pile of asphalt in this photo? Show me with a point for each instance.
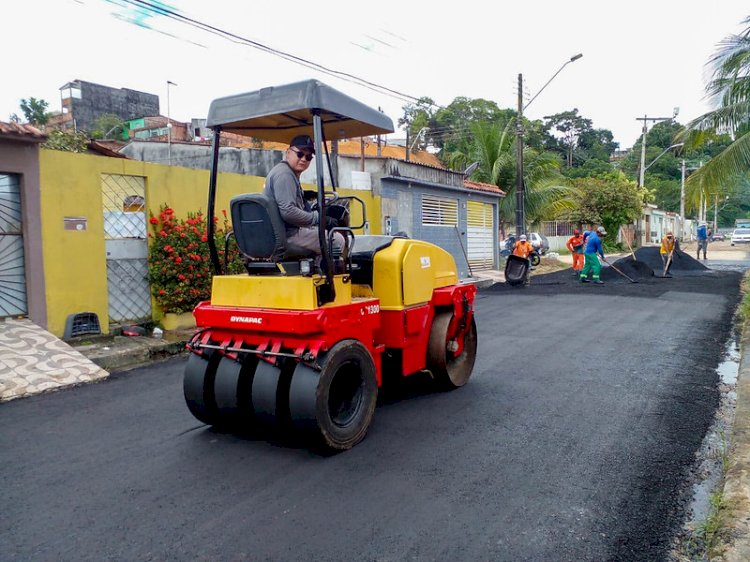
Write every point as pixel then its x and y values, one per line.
pixel 681 261
pixel 634 269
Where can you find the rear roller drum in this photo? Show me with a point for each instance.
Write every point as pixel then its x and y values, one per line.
pixel 449 370
pixel 232 390
pixel 339 401
pixel 198 387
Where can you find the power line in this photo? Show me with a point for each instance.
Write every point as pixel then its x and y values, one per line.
pixel 160 9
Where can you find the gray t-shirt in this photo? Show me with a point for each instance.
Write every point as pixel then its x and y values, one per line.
pixel 283 185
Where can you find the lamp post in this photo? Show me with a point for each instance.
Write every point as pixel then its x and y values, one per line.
pixel 520 201
pixel 169 125
pixel 645 120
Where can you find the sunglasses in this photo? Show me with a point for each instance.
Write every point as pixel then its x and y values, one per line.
pixel 301 155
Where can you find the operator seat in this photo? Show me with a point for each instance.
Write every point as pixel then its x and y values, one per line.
pixel 260 233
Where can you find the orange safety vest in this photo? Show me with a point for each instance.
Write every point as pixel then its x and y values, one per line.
pixel 575 244
pixel 522 249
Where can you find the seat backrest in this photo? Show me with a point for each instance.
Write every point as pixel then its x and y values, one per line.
pixel 258 227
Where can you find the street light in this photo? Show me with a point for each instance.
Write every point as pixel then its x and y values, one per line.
pixel 520 210
pixel 645 120
pixel 169 124
pixel 662 154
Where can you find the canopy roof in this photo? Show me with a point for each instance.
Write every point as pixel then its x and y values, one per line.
pixel 280 113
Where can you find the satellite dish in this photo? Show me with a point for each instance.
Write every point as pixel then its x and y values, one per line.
pixel 471 169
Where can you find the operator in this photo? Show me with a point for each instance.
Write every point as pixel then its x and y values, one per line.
pixel 590 257
pixel 282 183
pixel 702 240
pixel 575 245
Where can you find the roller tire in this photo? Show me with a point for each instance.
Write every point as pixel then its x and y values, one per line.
pixel 450 372
pixel 337 403
pixel 198 387
pixel 535 259
pixel 232 391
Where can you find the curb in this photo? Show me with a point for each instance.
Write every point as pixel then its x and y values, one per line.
pixel 131 352
pixel 737 479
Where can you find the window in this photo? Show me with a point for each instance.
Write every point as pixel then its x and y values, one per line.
pixel 437 211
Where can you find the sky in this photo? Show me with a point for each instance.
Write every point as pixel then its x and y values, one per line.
pixel 640 58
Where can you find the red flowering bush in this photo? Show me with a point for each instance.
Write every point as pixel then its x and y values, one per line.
pixel 179 265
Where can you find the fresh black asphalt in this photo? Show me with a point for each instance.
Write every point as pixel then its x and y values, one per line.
pixel 575 440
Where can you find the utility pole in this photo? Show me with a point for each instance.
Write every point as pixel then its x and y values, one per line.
pixel 169 125
pixel 646 119
pixel 681 234
pixel 520 211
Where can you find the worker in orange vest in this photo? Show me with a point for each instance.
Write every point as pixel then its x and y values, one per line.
pixel 522 248
pixel 575 245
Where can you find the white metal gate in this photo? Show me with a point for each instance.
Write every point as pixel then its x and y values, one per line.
pixel 125 232
pixel 12 271
pixel 480 235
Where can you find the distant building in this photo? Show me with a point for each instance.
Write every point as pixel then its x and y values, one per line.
pixel 84 102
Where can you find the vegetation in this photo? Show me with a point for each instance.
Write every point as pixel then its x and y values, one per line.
pixel 108 126
pixel 610 201
pixel 179 266
pixel 68 141
pixel 729 90
pixel 35 111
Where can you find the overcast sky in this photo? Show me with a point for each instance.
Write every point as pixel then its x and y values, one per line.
pixel 641 57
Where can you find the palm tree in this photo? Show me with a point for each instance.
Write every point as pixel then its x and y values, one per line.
pixel 729 88
pixel 492 145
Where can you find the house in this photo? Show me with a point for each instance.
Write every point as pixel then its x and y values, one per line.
pixel 84 102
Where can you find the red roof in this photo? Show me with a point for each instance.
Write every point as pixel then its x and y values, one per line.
pixel 21 132
pixel 488 187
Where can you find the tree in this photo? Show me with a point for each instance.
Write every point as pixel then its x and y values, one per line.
pixel 729 89
pixel 70 142
pixel 417 117
pixel 35 111
pixel 610 201
pixel 108 126
pixel 570 126
pixel 493 146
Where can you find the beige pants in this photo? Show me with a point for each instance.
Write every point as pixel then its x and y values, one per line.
pixel 307 238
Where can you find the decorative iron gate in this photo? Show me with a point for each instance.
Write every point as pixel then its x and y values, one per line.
pixel 12 271
pixel 125 233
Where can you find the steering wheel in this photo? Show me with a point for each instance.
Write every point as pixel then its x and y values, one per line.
pixel 330 197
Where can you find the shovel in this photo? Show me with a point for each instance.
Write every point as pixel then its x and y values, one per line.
pixel 620 272
pixel 666 265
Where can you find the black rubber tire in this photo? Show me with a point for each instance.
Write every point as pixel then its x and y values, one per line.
pixel 265 391
pixel 450 372
pixel 535 259
pixel 339 401
pixel 232 391
pixel 198 387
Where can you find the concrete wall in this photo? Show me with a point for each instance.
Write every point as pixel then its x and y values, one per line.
pixel 74 263
pixel 97 99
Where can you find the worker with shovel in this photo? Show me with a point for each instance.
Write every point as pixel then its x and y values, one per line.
pixel 591 255
pixel 666 251
pixel 575 245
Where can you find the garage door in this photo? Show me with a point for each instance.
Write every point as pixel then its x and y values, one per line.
pixel 480 235
pixel 12 273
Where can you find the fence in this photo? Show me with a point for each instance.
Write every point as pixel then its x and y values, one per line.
pixel 558 228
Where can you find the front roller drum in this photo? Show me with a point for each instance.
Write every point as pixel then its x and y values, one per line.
pixel 450 370
pixel 338 402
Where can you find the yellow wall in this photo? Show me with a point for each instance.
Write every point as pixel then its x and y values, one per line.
pixel 75 266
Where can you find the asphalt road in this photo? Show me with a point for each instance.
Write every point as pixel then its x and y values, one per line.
pixel 574 440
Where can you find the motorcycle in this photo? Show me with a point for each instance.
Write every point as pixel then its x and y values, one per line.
pixel 535 257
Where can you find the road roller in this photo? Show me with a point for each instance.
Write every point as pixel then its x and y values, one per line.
pixel 301 341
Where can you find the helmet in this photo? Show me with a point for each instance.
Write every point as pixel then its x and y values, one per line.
pixel 522 237
pixel 600 230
